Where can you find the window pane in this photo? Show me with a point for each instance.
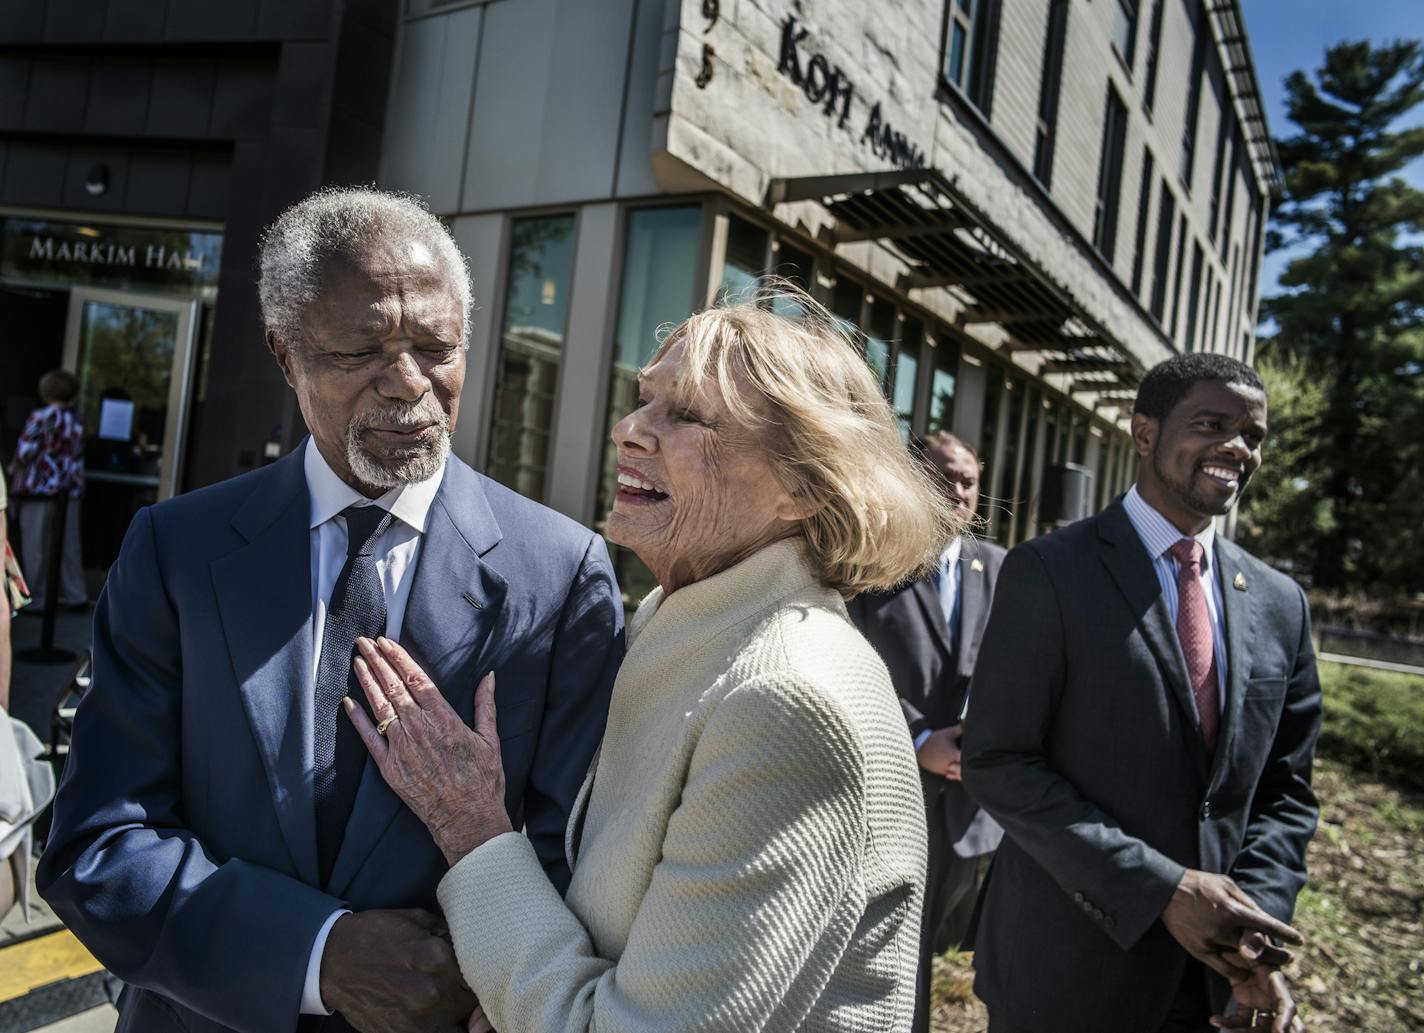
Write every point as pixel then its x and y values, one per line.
pixel 531 339
pixel 957 46
pixel 880 330
pixel 942 385
pixel 798 267
pixel 746 251
pixel 659 265
pixel 1124 28
pixel 907 374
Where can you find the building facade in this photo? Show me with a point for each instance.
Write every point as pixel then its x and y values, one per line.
pixel 1021 204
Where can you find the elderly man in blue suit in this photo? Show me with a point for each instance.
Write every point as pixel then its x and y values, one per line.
pixel 219 841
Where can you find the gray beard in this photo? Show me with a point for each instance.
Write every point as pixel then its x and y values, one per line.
pixel 420 464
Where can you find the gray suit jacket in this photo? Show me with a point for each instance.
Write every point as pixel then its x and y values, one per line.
pixel 183 851
pixel 1086 745
pixel 931 674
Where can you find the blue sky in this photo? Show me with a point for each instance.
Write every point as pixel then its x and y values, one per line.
pixel 1290 34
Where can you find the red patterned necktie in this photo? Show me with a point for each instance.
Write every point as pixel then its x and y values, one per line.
pixel 1194 630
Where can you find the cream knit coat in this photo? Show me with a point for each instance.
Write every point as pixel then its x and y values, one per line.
pixel 753 852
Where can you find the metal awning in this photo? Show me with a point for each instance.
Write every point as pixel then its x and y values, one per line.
pixel 949 243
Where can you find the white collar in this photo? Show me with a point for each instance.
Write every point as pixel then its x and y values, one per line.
pixel 950 556
pixel 1158 533
pixel 409 503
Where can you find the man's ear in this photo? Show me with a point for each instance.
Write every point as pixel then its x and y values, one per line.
pixel 1144 433
pixel 282 353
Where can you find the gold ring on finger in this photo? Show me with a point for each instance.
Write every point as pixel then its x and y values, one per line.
pixel 381 728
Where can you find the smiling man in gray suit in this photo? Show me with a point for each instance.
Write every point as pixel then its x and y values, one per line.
pixel 1146 707
pixel 928 634
pixel 220 841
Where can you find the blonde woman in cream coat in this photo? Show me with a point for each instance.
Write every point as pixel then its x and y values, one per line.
pixel 748 851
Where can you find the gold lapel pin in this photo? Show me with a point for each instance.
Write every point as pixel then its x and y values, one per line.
pixel 976 566
pixel 1239 582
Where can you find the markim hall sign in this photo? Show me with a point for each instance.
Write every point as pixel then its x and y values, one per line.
pixel 827 85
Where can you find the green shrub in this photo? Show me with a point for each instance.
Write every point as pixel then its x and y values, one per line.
pixel 1374 722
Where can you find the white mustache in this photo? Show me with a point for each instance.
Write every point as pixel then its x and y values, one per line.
pixel 402 417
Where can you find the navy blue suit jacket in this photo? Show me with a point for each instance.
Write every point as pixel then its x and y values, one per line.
pixel 183 851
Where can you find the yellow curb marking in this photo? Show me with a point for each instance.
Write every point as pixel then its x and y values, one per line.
pixel 41 961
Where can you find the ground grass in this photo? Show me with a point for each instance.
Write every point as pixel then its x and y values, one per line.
pixel 1374 722
pixel 1362 910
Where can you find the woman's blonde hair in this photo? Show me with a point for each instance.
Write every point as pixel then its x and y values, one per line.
pixel 877 515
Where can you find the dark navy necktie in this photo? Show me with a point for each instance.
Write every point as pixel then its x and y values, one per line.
pixel 357 607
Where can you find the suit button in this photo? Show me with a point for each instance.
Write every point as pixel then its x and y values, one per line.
pixel 1206 810
pixel 1078 898
pixel 1109 922
pixel 1098 914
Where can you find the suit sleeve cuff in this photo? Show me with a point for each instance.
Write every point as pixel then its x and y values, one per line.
pixel 921 736
pixel 311 990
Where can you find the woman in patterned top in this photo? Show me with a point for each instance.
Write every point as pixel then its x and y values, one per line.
pixel 49 461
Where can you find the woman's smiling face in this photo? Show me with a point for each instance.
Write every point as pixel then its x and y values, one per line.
pixel 696 490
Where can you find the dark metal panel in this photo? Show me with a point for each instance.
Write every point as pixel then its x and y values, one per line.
pixel 209 185
pixel 118 98
pixel 21 21
pixel 34 174
pixel 14 87
pixel 181 98
pixel 136 21
pixel 58 91
pixel 73 21
pixel 228 20
pixel 243 100
pixel 158 181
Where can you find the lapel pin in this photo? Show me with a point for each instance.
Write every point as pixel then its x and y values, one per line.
pixel 1239 582
pixel 976 566
pixel 480 606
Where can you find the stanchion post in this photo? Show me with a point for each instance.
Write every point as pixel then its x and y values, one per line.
pixel 46 653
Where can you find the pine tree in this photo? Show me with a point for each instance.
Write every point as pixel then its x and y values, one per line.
pixel 1351 321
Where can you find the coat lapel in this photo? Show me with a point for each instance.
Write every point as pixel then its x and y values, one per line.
pixel 1240 630
pixel 928 598
pixel 1130 566
pixel 973 596
pixel 264 600
pixel 445 633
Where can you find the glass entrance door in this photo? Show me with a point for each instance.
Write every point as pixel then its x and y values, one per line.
pixel 133 355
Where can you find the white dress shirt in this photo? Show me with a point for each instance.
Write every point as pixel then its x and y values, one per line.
pixel 395 552
pixel 1159 534
pixel 948 586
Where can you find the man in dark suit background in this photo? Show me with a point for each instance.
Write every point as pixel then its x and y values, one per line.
pixel 1146 707
pixel 928 634
pixel 220 841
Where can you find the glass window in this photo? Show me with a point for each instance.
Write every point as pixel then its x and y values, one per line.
pixel 1144 206
pixel 1193 343
pixel 1124 30
pixel 1181 270
pixel 1189 124
pixel 907 375
pixel 879 332
pixel 746 257
pixel 536 304
pixel 994 390
pixel 969 46
pixel 1048 88
pixel 659 267
pixel 1110 175
pixel 1161 267
pixel 1154 44
pixel 943 380
pixel 799 267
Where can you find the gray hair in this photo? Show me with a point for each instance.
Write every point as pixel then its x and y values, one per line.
pixel 337 221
